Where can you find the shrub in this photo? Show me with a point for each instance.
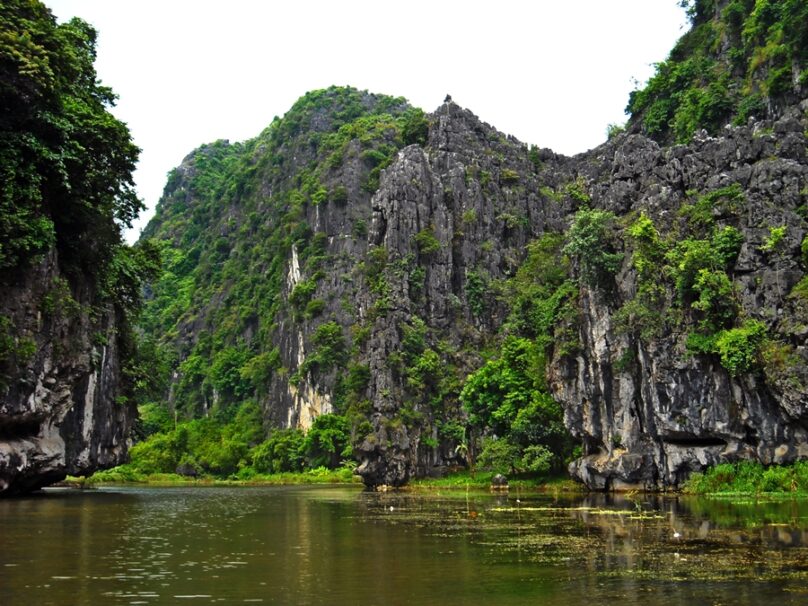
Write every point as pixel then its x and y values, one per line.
pixel 339 194
pixel 302 293
pixel 716 299
pixel 726 245
pixel 282 451
pixel 499 455
pixel 591 240
pixel 329 349
pixel 475 292
pixel 469 216
pixel 426 242
pixel 415 129
pixel 648 248
pixel 508 176
pixel 327 442
pixel 774 239
pixel 739 348
pixel 614 129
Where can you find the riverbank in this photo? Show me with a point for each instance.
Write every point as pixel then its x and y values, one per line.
pixel 730 480
pixel 126 475
pixel 751 479
pixel 480 480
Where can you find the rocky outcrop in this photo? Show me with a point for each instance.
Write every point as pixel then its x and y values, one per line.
pixel 650 412
pixel 374 293
pixel 453 218
pixel 60 376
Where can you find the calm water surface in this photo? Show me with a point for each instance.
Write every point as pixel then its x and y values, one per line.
pixel 338 545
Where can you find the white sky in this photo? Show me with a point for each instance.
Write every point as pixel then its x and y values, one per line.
pixel 552 73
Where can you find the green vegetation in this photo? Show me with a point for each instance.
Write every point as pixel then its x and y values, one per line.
pixel 698 273
pixel 66 161
pixel 751 478
pixel 613 130
pixel 233 444
pixel 125 474
pixel 233 292
pixel 212 314
pixel 426 242
pixel 737 60
pixel 481 480
pixel 507 399
pixel 592 241
pixel 66 166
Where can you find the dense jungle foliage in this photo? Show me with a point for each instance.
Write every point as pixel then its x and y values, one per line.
pixel 66 171
pixel 741 59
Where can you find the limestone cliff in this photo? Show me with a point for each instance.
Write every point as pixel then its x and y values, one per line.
pixel 453 218
pixel 60 378
pixel 377 301
pixel 362 258
pixel 649 409
pixel 66 279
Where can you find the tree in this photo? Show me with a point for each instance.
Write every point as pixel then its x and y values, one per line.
pixel 591 239
pixel 65 162
pixel 496 393
pixel 328 441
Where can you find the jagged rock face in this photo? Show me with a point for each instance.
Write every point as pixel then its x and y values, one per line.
pixel 651 422
pixel 475 192
pixel 406 281
pixel 667 413
pixel 58 412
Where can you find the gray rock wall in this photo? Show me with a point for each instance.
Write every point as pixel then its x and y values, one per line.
pixel 58 409
pixel 668 413
pixel 647 411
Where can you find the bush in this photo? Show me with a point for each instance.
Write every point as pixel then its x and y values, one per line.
pixel 499 455
pixel 475 292
pixel 591 240
pixel 328 441
pixel 739 348
pixel 426 242
pixel 750 477
pixel 282 451
pixel 508 176
pixel 329 347
pixel 537 459
pixel 416 127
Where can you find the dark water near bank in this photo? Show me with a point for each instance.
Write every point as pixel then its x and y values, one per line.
pixel 337 545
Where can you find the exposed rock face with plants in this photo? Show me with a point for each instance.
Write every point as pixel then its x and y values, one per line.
pixel 67 283
pixel 451 293
pixel 364 281
pixel 692 347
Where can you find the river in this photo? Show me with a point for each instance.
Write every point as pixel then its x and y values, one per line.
pixel 339 545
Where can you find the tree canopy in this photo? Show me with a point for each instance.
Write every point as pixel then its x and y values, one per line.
pixel 66 162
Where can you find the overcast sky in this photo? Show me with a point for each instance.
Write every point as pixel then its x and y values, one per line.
pixel 552 73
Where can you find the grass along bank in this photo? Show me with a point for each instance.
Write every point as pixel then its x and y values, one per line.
pixel 750 478
pixel 482 480
pixel 126 474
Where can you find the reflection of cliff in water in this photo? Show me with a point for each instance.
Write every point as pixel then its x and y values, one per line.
pixel 687 518
pixel 672 541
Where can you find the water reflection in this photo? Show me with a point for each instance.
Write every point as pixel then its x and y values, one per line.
pixel 342 546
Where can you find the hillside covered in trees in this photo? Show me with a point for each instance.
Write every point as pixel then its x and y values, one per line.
pixel 419 290
pixel 366 285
